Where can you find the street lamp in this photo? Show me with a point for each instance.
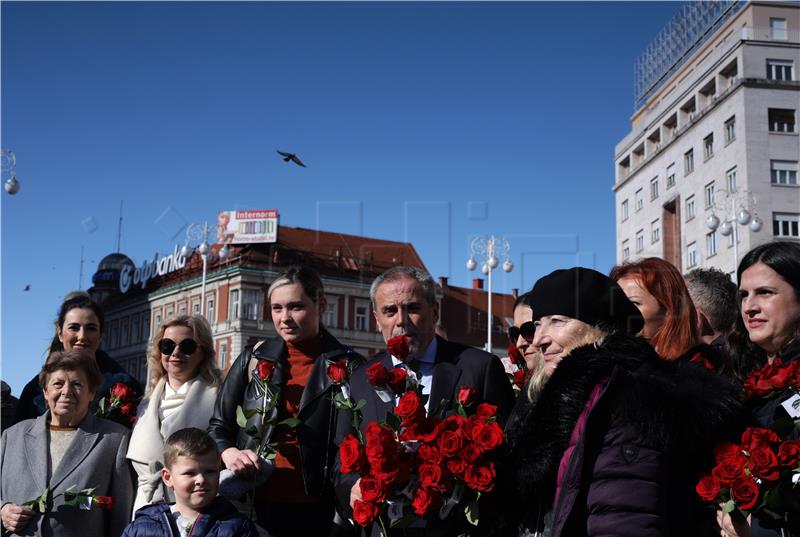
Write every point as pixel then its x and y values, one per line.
pixel 736 208
pixel 488 249
pixel 194 233
pixel 9 167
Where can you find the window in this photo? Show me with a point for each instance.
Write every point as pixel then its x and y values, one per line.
pixel 362 316
pixel 223 355
pixel 688 162
pixel 671 175
pixel 730 178
pixel 781 120
pixel 786 225
pixel 711 244
pixel 709 195
pixel 691 254
pixel 777 29
pixel 690 208
pixel 196 308
pixel 653 188
pixel 640 240
pixel 145 327
pixel 251 304
pixel 655 231
pixel 135 329
pixel 626 250
pixel 780 70
pixel 730 130
pixel 170 312
pixel 708 146
pixel 157 322
pixel 639 200
pixel 125 334
pixel 182 309
pixel 210 310
pixel 783 172
pixel 233 314
pixel 330 318
pixel 623 210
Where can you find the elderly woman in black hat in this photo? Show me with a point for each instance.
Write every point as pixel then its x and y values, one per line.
pixel 611 437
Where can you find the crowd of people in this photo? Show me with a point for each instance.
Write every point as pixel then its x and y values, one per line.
pixel 638 403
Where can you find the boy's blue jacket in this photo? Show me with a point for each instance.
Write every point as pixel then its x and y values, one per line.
pixel 220 519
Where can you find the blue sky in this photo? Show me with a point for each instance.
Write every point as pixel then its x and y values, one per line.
pixel 421 122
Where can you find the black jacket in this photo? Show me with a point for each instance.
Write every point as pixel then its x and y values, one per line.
pixel 317 414
pixel 645 441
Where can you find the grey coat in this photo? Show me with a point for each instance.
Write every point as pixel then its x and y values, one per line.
pixel 94 458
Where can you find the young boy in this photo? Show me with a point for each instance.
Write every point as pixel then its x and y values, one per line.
pixel 192 471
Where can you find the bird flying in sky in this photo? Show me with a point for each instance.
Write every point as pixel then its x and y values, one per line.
pixel 27 288
pixel 291 156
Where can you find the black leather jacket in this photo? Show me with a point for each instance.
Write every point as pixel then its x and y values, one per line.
pixel 316 431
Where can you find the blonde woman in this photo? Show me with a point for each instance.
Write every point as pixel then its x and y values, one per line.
pixel 180 393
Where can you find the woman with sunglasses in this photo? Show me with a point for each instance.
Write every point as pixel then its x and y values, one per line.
pixel 181 393
pixel 521 334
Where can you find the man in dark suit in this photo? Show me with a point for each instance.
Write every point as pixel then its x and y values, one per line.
pixel 404 303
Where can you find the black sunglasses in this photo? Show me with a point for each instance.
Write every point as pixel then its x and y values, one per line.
pixel 526 330
pixel 187 346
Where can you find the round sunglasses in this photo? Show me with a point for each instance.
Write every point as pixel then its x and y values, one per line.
pixel 526 330
pixel 187 346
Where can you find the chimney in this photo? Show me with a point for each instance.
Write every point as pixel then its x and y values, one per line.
pixel 477 283
pixel 443 281
pixel 515 293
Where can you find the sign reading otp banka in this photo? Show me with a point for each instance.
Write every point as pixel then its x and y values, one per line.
pixel 150 269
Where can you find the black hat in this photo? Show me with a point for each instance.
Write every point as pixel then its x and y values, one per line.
pixel 586 295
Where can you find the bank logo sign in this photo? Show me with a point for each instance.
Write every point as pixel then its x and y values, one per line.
pixel 148 270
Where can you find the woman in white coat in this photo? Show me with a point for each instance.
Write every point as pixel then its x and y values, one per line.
pixel 180 393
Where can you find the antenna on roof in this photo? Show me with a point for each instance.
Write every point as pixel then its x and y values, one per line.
pixel 119 227
pixel 80 271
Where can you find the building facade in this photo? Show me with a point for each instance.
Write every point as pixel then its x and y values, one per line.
pixel 235 301
pixel 715 132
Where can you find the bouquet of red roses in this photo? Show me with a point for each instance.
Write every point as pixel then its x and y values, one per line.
pixel 772 378
pixel 118 405
pixel 759 475
pixel 415 465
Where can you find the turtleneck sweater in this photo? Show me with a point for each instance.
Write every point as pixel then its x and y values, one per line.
pixel 286 483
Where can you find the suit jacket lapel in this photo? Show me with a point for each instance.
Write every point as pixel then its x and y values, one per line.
pixel 36 451
pixel 85 438
pixel 445 377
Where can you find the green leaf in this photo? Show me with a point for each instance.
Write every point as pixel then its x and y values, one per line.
pixel 241 419
pixel 460 411
pixel 472 512
pixel 252 431
pixel 271 456
pixel 290 422
pixel 728 506
pixel 360 404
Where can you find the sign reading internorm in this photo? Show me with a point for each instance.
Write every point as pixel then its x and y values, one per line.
pixel 247 227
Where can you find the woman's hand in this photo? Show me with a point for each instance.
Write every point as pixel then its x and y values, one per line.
pixel 241 461
pixel 15 517
pixel 355 493
pixel 733 524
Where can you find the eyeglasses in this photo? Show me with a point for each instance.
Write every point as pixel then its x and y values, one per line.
pixel 187 346
pixel 526 330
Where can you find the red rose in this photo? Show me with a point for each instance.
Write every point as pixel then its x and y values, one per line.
pixel 393 471
pixel 409 406
pixel 521 376
pixel 429 454
pixel 397 380
pixel 351 454
pixel 454 423
pixel 103 502
pixel 127 409
pixel 364 513
pixel 764 463
pixel 781 376
pixel 515 355
pixel 480 477
pixel 708 488
pixel 485 410
pixel 122 390
pixel 789 454
pixel 372 490
pixel 457 467
pixel 489 436
pixel 759 436
pixel 337 371
pixel 701 360
pixel 726 450
pixel 728 471
pixel 745 492
pixel 431 475
pixel 467 395
pixel 265 369
pixel 450 443
pixel 471 453
pixel 398 347
pixel 425 500
pixel 377 375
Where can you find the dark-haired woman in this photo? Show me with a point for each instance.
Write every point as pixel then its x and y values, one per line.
pixel 769 290
pixel 297 499
pixel 79 326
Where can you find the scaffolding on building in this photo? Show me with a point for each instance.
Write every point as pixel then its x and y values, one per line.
pixel 690 27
